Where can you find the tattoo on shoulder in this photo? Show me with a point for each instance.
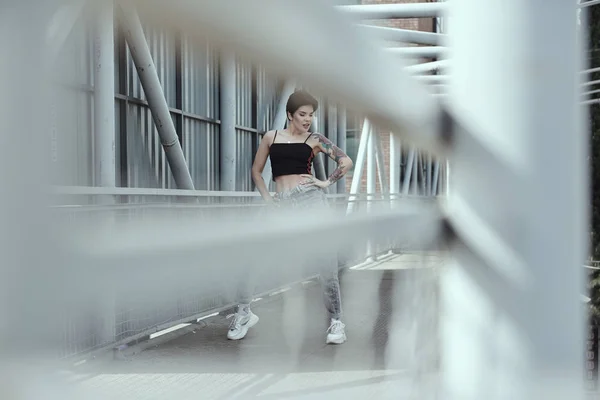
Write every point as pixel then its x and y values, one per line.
pixel 331 149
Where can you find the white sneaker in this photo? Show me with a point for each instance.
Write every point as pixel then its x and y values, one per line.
pixel 240 324
pixel 336 333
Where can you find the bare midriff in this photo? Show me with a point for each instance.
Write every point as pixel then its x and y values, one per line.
pixel 287 182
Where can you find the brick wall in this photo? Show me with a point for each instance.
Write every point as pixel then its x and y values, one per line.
pixel 421 24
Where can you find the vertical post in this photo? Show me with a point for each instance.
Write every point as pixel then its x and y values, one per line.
pixel 104 138
pixel 409 171
pixel 447 178
pixel 531 298
pixel 104 97
pixel 436 176
pixel 371 186
pixel 421 175
pixel 371 168
pixel 359 165
pixel 380 162
pixel 227 70
pixel 394 167
pixel 341 141
pixel 140 52
pixel 428 176
pixel 415 174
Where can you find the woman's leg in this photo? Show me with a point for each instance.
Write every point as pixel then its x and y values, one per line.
pixel 331 293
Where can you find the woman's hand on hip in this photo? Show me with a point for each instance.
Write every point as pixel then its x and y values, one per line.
pixel 310 180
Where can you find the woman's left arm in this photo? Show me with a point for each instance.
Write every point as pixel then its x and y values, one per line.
pixel 344 163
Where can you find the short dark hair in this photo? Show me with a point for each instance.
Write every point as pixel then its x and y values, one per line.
pixel 300 98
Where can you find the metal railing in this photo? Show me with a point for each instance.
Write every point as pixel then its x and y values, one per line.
pixel 121 312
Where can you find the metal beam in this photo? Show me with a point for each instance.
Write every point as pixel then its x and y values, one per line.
pixel 371 169
pixel 410 160
pixel 419 51
pixel 393 11
pixel 380 162
pixel 432 78
pixel 428 67
pixel 590 92
pixel 436 178
pixel 104 96
pixel 140 52
pixel 359 165
pixel 395 154
pixel 371 185
pixel 521 282
pixel 593 101
pixel 588 3
pixel 589 70
pixel 228 111
pixel 428 175
pixel 589 83
pixel 404 35
pixel 415 174
pixel 104 138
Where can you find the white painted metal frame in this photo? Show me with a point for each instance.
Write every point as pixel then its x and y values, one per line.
pixel 513 325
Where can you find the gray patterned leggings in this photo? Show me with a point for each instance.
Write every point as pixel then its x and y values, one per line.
pixel 307 197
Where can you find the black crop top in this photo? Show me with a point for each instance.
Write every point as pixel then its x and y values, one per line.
pixel 291 158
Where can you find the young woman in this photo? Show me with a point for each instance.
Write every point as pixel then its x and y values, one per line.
pixel 292 151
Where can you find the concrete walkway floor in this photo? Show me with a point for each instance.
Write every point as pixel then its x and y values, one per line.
pixel 390 312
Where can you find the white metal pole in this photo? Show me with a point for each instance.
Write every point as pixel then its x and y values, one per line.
pixel 439 79
pixel 140 52
pixel 419 51
pixel 415 173
pixel 359 165
pixel 104 97
pixel 428 173
pixel 395 155
pixel 371 168
pixel 104 138
pixel 393 11
pixel 428 67
pixel 404 35
pixel 435 179
pixel 380 162
pixel 409 171
pixel 512 319
pixel 228 110
pixel 371 184
pixel 588 3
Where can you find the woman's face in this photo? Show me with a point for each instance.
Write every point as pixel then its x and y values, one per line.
pixel 302 118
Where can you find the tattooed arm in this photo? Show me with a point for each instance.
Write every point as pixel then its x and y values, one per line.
pixel 336 154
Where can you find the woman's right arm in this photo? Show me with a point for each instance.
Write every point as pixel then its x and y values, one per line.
pixel 259 165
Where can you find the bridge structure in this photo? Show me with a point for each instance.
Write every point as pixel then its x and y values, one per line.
pixel 130 217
